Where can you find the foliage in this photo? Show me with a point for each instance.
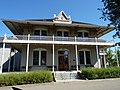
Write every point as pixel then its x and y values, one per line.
pixel 111 12
pixel 118 53
pixel 110 58
pixel 25 78
pixel 96 73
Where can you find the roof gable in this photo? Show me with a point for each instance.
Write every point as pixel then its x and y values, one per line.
pixel 62 18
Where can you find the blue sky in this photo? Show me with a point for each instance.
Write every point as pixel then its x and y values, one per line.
pixel 79 10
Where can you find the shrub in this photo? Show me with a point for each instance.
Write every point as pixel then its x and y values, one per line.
pixel 25 78
pixel 96 73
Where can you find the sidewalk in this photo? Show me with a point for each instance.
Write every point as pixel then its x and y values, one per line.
pixel 103 84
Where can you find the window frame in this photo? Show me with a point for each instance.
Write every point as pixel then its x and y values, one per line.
pixel 40 32
pixel 63 34
pixel 83 34
pixel 85 59
pixel 40 58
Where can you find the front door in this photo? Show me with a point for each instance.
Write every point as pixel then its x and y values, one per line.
pixel 63 63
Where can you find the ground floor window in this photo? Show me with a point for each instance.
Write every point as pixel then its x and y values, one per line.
pixel 84 57
pixel 39 57
pixel 35 57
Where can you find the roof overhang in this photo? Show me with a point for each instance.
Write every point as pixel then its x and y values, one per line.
pixel 16 25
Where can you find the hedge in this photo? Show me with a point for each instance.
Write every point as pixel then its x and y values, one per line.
pixel 102 73
pixel 20 78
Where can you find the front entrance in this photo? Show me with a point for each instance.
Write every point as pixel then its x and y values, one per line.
pixel 63 62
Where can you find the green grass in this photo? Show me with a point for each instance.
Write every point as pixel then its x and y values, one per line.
pixel 21 78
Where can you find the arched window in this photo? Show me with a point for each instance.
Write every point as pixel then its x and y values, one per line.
pixel 39 56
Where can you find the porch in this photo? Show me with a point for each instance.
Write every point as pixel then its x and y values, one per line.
pixel 53 43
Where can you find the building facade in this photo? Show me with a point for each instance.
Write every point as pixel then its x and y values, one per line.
pixel 57 44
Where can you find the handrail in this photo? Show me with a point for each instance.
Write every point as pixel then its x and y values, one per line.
pixel 56 38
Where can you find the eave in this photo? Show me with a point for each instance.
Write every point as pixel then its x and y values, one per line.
pixel 16 26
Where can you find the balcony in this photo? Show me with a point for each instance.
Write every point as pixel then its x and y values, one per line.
pixel 56 40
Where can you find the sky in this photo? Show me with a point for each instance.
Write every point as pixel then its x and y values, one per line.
pixel 79 10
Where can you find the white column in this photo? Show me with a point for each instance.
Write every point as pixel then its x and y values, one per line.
pixel 116 55
pixel 76 55
pixel 3 52
pixel 9 60
pixel 14 60
pixel 97 53
pixel 27 54
pixel 104 58
pixel 53 68
pixel 53 59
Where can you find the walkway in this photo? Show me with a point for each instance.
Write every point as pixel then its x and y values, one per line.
pixel 108 84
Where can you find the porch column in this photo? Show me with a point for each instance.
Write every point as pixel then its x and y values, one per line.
pixel 104 58
pixel 97 53
pixel 76 55
pixel 3 52
pixel 14 60
pixel 53 68
pixel 27 53
pixel 9 60
pixel 116 55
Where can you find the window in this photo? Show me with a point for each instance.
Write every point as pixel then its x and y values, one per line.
pixel 83 34
pixel 80 34
pixel 59 33
pixel 40 32
pixel 35 57
pixel 39 57
pixel 37 32
pixel 63 33
pixel 87 53
pixel 81 57
pixel 43 33
pixel 84 57
pixel 43 57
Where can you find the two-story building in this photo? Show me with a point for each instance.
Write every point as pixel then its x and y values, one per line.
pixel 59 44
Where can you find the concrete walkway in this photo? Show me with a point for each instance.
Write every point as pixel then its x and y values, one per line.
pixel 105 84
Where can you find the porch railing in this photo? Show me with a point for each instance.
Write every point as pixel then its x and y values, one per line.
pixel 56 38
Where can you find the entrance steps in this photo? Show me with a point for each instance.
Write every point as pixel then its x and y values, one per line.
pixel 67 75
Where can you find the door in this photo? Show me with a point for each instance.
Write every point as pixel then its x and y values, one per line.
pixel 63 64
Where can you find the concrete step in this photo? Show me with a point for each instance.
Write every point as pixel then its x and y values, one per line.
pixel 66 75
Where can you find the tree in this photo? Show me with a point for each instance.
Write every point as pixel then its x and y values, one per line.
pixel 118 53
pixel 110 58
pixel 111 12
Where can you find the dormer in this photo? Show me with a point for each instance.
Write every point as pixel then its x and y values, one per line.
pixel 62 18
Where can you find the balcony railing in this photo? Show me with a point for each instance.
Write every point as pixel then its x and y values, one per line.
pixel 56 38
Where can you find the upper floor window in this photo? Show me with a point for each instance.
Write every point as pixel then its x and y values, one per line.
pixel 40 32
pixel 63 33
pixel 83 34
